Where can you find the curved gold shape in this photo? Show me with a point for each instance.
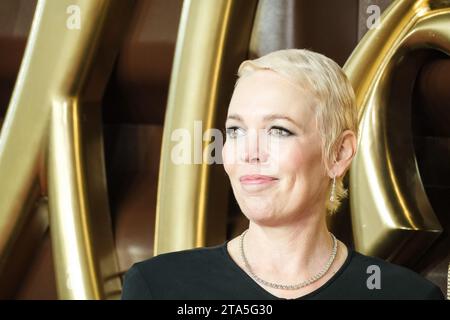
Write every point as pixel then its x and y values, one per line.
pixel 212 40
pixel 448 282
pixel 54 114
pixel 391 215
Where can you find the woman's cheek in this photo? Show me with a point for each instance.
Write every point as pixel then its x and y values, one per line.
pixel 289 158
pixel 228 157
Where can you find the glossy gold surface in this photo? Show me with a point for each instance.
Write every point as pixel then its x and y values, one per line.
pixel 212 39
pixel 448 282
pixel 51 138
pixel 391 215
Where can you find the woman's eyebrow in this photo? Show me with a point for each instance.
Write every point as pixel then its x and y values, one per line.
pixel 266 118
pixel 233 116
pixel 280 116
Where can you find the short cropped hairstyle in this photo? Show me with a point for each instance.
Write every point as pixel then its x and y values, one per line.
pixel 331 90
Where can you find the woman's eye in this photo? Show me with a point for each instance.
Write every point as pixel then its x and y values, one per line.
pixel 279 132
pixel 234 132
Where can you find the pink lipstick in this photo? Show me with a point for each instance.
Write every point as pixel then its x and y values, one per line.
pixel 256 179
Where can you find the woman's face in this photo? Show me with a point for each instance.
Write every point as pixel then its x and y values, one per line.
pixel 273 150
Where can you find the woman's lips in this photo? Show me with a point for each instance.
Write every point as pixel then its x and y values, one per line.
pixel 256 179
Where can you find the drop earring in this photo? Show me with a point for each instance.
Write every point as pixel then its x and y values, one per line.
pixel 333 189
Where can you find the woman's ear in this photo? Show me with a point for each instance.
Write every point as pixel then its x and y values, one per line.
pixel 346 152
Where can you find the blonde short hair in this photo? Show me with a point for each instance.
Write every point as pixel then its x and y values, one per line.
pixel 336 107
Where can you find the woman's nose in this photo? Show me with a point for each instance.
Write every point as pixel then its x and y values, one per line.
pixel 254 149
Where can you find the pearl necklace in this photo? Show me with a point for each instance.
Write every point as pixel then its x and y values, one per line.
pixel 295 286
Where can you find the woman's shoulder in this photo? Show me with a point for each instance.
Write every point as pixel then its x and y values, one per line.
pixel 177 259
pixel 179 263
pixel 166 271
pixel 387 269
pixel 384 276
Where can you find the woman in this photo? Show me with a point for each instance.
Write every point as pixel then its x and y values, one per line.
pixel 291 136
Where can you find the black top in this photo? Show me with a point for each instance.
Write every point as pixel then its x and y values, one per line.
pixel 211 273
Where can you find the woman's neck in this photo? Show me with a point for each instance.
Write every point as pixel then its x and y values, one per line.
pixel 294 252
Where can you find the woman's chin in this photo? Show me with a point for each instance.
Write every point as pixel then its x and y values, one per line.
pixel 267 219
